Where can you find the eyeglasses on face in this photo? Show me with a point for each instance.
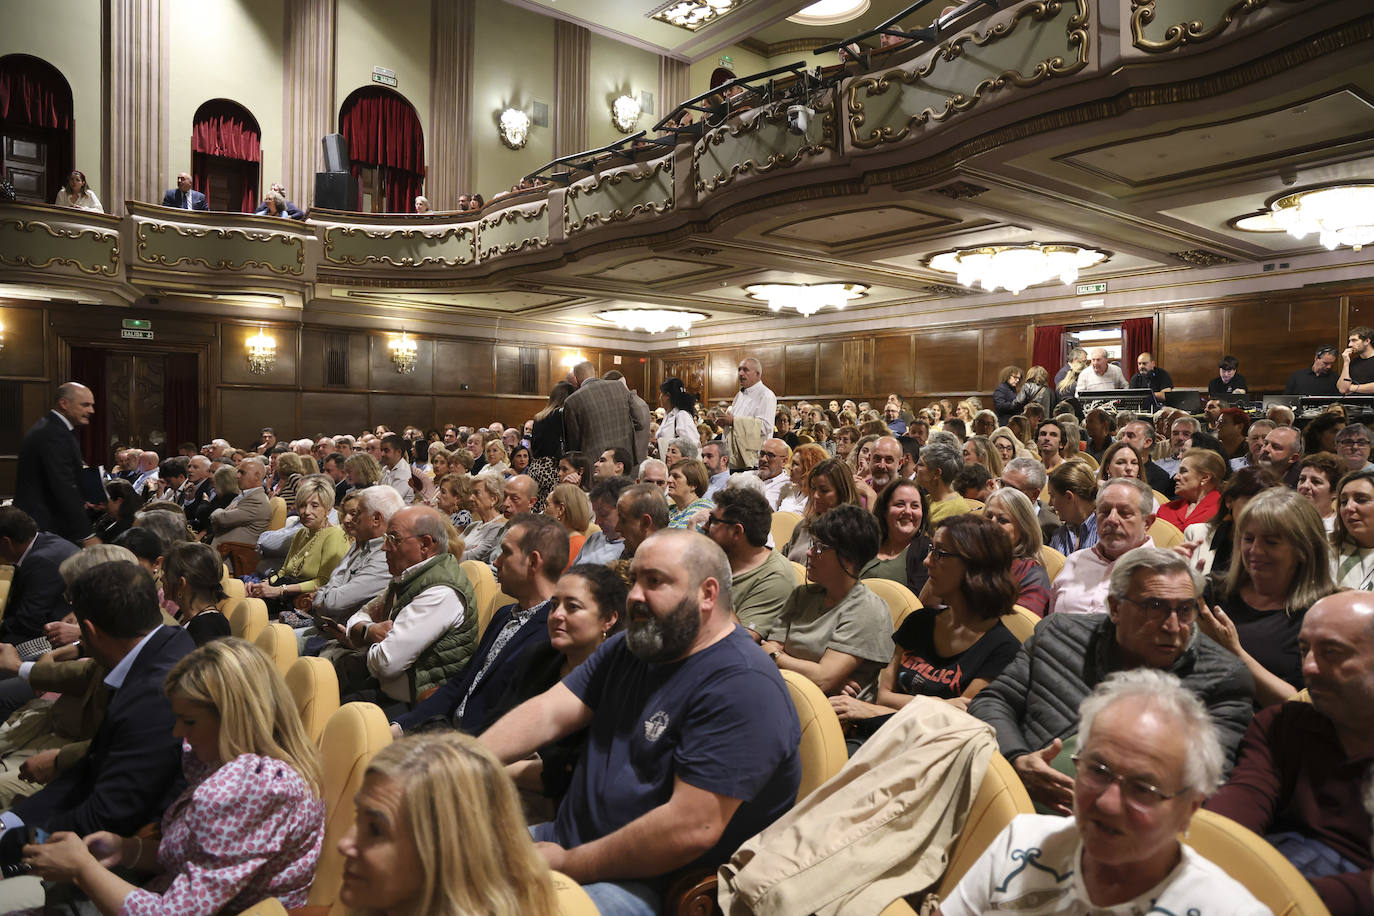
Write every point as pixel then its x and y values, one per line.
pixel 770 456
pixel 1354 443
pixel 1159 609
pixel 392 538
pixel 940 553
pixel 817 548
pixel 1097 776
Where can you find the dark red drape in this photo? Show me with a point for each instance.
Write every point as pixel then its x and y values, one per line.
pixel 33 93
pixel 181 395
pixel 88 368
pixel 226 130
pixel 384 132
pixel 1047 349
pixel 1137 337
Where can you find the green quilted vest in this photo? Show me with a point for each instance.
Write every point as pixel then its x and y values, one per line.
pixel 449 654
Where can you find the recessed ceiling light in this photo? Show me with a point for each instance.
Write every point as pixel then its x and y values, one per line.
pixel 829 12
pixel 1257 222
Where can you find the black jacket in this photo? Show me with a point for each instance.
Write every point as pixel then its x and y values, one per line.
pixel 37 592
pixel 46 484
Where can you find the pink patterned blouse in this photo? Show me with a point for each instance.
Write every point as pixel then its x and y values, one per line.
pixel 249 830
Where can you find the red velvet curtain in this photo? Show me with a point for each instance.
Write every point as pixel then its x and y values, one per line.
pixel 1137 337
pixel 1047 348
pixel 33 93
pixel 88 368
pixel 383 131
pixel 181 397
pixel 225 138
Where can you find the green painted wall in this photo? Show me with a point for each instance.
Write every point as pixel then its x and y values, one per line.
pixel 746 62
pixel 385 33
pixel 512 65
pixel 65 33
pixel 617 69
pixel 243 64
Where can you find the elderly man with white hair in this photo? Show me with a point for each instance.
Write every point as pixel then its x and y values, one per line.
pixel 362 574
pixel 1099 374
pixel 1148 755
pixel 1125 510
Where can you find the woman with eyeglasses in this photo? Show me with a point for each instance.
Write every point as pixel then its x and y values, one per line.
pixel 833 630
pixel 1280 566
pixel 1007 444
pixel 955 645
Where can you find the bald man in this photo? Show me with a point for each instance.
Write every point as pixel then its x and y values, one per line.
pixel 183 197
pixel 521 494
pixel 772 469
pixel 47 483
pixel 883 462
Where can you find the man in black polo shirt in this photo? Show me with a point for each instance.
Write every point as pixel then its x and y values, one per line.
pixel 1150 376
pixel 1319 380
pixel 1357 367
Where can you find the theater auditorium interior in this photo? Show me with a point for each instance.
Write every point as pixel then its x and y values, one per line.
pixel 325 217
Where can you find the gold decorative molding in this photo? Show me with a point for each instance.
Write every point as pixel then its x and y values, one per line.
pixel 146 257
pixel 662 166
pixel 779 159
pixel 1192 31
pixel 1077 37
pixel 31 226
pixel 514 216
pixel 455 232
pixel 1199 257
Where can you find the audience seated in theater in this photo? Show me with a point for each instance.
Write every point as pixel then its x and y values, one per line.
pixel 1301 779
pixel 76 193
pixel 37 594
pixel 687 483
pixel 1352 445
pixel 830 484
pixel 130 771
pixel 1280 568
pixel 1352 538
pixel 250 822
pixel 718 467
pixel 534 552
pixel 569 506
pixel 519 494
pixel 440 830
pixel 935 472
pixel 903 536
pixel 224 490
pixel 1210 545
pixel 773 457
pixel 274 203
pixel 883 461
pixel 316 548
pixel 956 644
pixel 795 494
pixel 655 473
pixel 720 761
pixel 1012 512
pixel 605 545
pixel 422 630
pixel 1318 476
pixel 1125 511
pixel 248 515
pixel 761 579
pixel 1073 495
pixel 395 467
pixel 1148 756
pixel 1028 475
pixel 1153 607
pixel 1233 428
pixel 640 511
pixel 980 450
pixel 289 471
pixel 833 630
pixel 1181 431
pixel 191 579
pixel 613 462
pixel 1197 488
pixel 1281 453
pixel 483 536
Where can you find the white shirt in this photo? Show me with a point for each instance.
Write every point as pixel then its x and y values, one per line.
pixel 1035 866
pixel 677 424
pixel 1089 380
pixel 598 549
pixel 1169 465
pixel 792 499
pixel 415 628
pixel 772 488
pixel 1081 586
pixel 757 401
pixel 87 200
pixel 398 478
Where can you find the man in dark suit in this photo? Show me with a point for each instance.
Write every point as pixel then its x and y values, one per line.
pixel 183 197
pixel 37 593
pixel 200 485
pixel 599 415
pixel 534 552
pixel 50 465
pixel 133 768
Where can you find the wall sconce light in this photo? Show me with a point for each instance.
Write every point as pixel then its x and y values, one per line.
pixel 2 337
pixel 515 128
pixel 262 352
pixel 572 359
pixel 625 113
pixel 403 353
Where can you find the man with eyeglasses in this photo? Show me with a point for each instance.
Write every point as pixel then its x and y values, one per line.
pixel 1125 512
pixel 1148 757
pixel 1151 623
pixel 761 578
pixel 1300 780
pixel 772 462
pixel 1352 447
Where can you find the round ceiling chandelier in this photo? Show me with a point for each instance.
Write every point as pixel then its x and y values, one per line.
pixel 806 298
pixel 1015 267
pixel 1339 214
pixel 652 321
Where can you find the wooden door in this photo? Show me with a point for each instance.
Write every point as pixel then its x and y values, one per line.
pixel 26 165
pixel 135 386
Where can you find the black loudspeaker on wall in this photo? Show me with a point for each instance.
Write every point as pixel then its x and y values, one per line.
pixel 335 152
pixel 336 191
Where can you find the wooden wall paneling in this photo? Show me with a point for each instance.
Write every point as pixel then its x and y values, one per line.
pixel 462 362
pixel 891 366
pixel 858 366
pixel 1003 346
pixel 233 362
pixel 946 361
pixel 333 413
pixel 830 368
pixel 799 368
pixel 245 411
pixel 1191 342
pixel 773 363
pixel 1273 339
pixel 1360 312
pixel 723 380
pixel 400 410
pixel 690 369
pixel 506 378
pixel 25 350
pixel 635 367
pixel 480 411
pixel 381 370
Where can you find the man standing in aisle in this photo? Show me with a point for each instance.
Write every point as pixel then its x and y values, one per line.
pixel 754 400
pixel 50 464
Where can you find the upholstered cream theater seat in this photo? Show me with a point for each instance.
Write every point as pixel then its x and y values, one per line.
pixel 900 600
pixel 314 685
pixel 1000 798
pixel 1250 859
pixel 1021 621
pixel 248 618
pixel 1052 560
pixel 823 752
pixel 279 642
pixel 784 523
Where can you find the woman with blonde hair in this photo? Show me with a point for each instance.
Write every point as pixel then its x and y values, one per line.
pixel 1073 497
pixel 1201 473
pixel 830 484
pixel 568 505
pixel 439 832
pixel 495 455
pixel 363 470
pixel 314 552
pixel 1280 566
pixel 979 450
pixel 249 824
pixel 290 470
pixel 451 498
pixel 794 494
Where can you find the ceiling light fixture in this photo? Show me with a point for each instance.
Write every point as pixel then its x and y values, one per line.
pixel 651 321
pixel 829 12
pixel 693 14
pixel 806 298
pixel 403 353
pixel 625 113
pixel 1015 267
pixel 1339 214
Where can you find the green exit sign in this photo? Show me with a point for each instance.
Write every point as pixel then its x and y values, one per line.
pixel 136 324
pixel 1088 289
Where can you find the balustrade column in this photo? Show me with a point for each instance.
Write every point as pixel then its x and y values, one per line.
pixel 136 133
pixel 307 92
pixel 572 45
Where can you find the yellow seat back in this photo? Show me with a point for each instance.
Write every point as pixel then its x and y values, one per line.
pixel 314 685
pixel 269 907
pixel 1021 621
pixel 1000 798
pixel 355 732
pixel 800 570
pixel 234 588
pixel 784 523
pixel 247 618
pixel 1250 859
pixel 572 899
pixel 278 518
pixel 1165 535
pixel 484 591
pixel 1052 560
pixel 900 600
pixel 823 752
pixel 279 642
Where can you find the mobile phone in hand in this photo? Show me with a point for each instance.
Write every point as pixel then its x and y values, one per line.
pixel 37 835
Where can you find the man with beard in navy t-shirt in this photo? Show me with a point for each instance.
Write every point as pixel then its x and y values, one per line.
pixel 691 735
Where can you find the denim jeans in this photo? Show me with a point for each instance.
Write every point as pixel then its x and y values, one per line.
pixel 613 898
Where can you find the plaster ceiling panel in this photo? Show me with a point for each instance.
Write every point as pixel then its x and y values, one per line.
pixel 857 226
pixel 1313 127
pixel 656 270
pixel 502 301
